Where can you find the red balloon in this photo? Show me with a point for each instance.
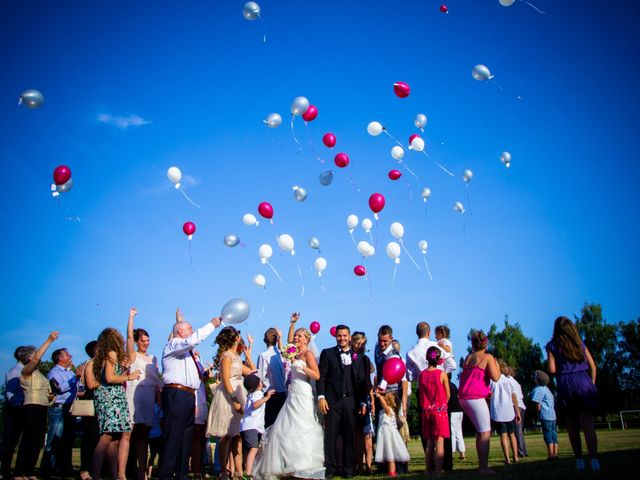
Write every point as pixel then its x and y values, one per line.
pixel 329 140
pixel 395 174
pixel 341 160
pixel 393 370
pixel 444 9
pixel 333 331
pixel 61 175
pixel 314 327
pixel 401 89
pixel 359 270
pixel 376 202
pixel 189 228
pixel 266 210
pixel 415 135
pixel 310 114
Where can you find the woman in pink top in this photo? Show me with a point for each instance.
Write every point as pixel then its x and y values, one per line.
pixel 479 367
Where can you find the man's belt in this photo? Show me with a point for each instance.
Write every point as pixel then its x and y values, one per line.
pixel 181 387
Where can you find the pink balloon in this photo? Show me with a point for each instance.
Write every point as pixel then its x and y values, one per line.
pixel 393 370
pixel 341 160
pixel 444 9
pixel 189 228
pixel 376 202
pixel 266 210
pixel 333 331
pixel 401 89
pixel 415 135
pixel 395 174
pixel 360 270
pixel 61 175
pixel 329 140
pixel 314 327
pixel 310 114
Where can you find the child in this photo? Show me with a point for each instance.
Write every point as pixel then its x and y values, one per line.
pixel 442 336
pixel 543 398
pixel 505 412
pixel 434 395
pixel 389 447
pixel 252 423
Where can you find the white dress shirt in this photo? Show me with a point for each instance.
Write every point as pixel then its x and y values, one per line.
pixel 417 358
pixel 271 370
pixel 501 404
pixel 517 389
pixel 177 363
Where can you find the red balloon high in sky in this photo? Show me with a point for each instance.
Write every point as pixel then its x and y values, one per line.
pixel 61 175
pixel 314 327
pixel 444 9
pixel 395 174
pixel 266 210
pixel 310 114
pixel 329 140
pixel 376 203
pixel 401 89
pixel 359 270
pixel 189 228
pixel 341 160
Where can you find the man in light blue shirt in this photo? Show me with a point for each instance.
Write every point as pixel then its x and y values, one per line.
pixel 61 424
pixel 271 373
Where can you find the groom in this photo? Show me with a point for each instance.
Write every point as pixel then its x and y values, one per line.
pixel 341 397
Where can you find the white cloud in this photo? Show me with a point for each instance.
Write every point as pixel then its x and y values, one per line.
pixel 123 122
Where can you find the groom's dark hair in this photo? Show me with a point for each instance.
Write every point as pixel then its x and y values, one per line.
pixel 343 327
pixel 271 337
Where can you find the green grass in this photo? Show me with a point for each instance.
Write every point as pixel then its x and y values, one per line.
pixel 619 454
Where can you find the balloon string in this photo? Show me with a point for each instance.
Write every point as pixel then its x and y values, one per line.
pixel 264 30
pixel 299 270
pixel 353 184
pixel 190 257
pixel 535 8
pixel 395 269
pixel 352 237
pixel 409 255
pixel 437 163
pixel 392 138
pixel 189 200
pixel 262 311
pixel 274 271
pixel 469 201
pixel 371 237
pixel 427 265
pixel 370 288
pixel 408 169
pixel 302 293
pixel 425 211
pixel 306 124
pixel 293 134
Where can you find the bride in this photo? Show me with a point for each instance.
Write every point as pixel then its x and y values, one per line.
pixel 293 446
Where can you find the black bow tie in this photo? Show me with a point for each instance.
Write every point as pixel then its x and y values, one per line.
pixel 345 352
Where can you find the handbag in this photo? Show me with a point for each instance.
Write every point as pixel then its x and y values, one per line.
pixel 82 408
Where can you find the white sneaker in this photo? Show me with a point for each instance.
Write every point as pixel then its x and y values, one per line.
pixel 595 465
pixel 580 463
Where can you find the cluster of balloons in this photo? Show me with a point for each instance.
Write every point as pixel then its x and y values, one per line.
pixel 505 158
pixel 62 181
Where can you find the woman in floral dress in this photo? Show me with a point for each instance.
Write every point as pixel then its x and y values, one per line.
pixel 110 400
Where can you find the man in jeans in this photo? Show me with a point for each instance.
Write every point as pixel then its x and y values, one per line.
pixel 61 431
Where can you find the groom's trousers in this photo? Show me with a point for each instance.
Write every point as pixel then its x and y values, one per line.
pixel 340 420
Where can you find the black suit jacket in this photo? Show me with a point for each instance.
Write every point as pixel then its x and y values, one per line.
pixel 332 374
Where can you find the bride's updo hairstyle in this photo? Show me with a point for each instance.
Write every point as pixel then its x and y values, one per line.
pixel 226 338
pixel 305 332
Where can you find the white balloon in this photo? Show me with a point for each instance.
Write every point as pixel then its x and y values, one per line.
pixel 458 207
pixel 299 105
pixel 506 3
pixel 420 121
pixel 481 73
pixel 397 230
pixel 249 219
pixel 393 251
pixel 264 252
pixel 375 128
pixel 397 152
pixel 417 144
pixel 352 221
pixel 174 175
pixel 423 245
pixel 320 264
pixel 426 193
pixel 285 242
pixel 251 10
pixel 467 176
pixel 365 249
pixel 259 280
pixel 367 224
pixel 273 120
pixel 505 158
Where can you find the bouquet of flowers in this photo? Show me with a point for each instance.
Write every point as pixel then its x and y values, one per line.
pixel 290 352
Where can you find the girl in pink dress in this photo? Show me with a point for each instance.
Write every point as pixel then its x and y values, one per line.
pixel 434 395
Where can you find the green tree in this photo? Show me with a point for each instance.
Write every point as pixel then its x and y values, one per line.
pixel 629 354
pixel 601 338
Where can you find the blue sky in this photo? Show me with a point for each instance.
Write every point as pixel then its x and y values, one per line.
pixel 557 229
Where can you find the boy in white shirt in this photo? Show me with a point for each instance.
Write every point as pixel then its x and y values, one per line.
pixel 505 412
pixel 252 423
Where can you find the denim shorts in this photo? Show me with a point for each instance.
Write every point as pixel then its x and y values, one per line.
pixel 549 431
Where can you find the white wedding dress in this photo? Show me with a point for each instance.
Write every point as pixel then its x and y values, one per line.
pixel 294 445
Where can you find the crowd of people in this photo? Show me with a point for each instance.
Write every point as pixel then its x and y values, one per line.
pixel 296 412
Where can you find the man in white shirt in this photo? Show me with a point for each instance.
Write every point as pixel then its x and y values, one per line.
pixel 522 446
pixel 271 373
pixel 181 377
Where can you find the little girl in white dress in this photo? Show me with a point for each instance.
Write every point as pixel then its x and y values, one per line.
pixel 442 336
pixel 389 445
